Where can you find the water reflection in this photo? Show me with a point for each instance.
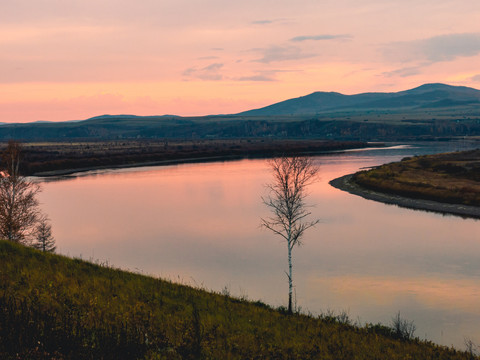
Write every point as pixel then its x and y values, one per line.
pixel 200 223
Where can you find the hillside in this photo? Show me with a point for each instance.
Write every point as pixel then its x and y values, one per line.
pixel 427 112
pixel 53 307
pixel 428 96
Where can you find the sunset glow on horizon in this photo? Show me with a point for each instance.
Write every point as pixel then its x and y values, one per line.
pixel 74 59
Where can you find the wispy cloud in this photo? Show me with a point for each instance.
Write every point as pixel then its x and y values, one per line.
pixel 268 75
pixel 269 21
pixel 282 53
pixel 321 37
pixel 476 78
pixel 265 75
pixel 435 49
pixel 449 47
pixel 403 72
pixel 207 58
pixel 257 77
pixel 262 22
pixel 210 72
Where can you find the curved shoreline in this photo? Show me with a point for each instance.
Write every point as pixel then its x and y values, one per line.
pixel 345 183
pixel 66 172
pixel 180 161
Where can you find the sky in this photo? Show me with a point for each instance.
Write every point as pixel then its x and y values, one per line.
pixel 74 59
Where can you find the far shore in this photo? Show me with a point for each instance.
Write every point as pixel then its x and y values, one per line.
pixel 346 183
pixel 61 159
pixel 65 172
pixel 52 160
pixel 193 160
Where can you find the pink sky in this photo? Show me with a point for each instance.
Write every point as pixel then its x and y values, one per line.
pixel 74 59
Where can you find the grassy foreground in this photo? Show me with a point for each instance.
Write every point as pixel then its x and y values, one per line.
pixel 450 177
pixel 53 307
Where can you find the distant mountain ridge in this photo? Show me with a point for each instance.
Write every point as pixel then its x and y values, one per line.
pixel 430 111
pixel 425 96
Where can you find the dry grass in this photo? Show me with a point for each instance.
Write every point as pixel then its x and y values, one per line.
pixel 41 157
pixel 53 307
pixel 450 177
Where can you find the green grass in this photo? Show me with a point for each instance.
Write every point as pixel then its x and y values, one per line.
pixel 54 307
pixel 450 177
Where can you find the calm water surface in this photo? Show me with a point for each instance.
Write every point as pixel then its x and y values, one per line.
pixel 199 224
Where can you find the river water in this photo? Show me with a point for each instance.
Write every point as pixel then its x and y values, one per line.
pixel 199 224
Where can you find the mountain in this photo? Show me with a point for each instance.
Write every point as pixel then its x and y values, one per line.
pixel 430 111
pixel 428 96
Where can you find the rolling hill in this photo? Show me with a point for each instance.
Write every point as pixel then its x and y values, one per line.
pixel 428 96
pixel 428 111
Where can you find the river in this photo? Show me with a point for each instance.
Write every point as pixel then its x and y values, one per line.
pixel 199 224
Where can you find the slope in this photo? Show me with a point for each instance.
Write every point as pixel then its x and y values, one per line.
pixel 425 96
pixel 53 307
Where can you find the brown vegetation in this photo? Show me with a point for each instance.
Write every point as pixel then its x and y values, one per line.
pixel 450 178
pixel 44 157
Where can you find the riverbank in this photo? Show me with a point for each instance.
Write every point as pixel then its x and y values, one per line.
pixel 52 306
pixel 446 183
pixel 63 158
pixel 346 183
pixel 65 172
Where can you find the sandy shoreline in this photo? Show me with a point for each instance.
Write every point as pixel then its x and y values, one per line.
pixel 345 183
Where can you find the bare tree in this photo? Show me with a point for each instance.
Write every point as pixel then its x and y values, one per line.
pixel 403 328
pixel 19 211
pixel 291 176
pixel 471 348
pixel 44 240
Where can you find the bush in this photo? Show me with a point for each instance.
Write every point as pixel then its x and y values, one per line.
pixel 402 328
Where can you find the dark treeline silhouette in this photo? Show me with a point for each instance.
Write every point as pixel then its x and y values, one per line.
pixel 376 127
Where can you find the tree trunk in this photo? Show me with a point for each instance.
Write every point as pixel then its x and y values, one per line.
pixel 290 286
pixel 10 209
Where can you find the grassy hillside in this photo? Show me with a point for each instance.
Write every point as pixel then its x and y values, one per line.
pixel 451 177
pixel 52 307
pixel 428 96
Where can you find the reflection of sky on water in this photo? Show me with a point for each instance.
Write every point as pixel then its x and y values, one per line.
pixel 200 223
